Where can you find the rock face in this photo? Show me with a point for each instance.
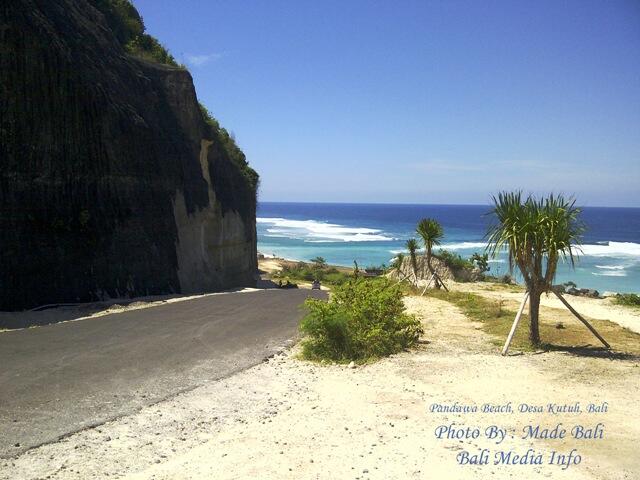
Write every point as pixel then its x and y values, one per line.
pixel 112 183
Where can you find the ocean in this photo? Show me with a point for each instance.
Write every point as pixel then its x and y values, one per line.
pixel 372 234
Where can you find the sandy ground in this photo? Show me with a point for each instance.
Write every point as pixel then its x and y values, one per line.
pixel 270 265
pixel 288 419
pixel 598 308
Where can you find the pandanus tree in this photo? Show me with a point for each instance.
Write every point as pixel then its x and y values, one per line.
pixel 412 247
pixel 431 233
pixel 537 233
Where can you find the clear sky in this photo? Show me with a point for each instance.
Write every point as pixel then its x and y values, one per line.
pixel 419 101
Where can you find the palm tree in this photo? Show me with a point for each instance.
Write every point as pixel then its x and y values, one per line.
pixel 319 263
pixel 431 233
pixel 537 233
pixel 412 246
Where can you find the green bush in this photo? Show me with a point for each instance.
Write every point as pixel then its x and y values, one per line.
pixel 453 260
pixel 147 47
pixel 363 320
pixel 308 273
pixel 628 299
pixel 230 146
pixel 481 261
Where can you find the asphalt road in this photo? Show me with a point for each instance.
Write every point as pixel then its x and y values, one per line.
pixel 61 378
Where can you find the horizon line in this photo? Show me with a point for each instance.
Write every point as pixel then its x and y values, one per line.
pixel 418 204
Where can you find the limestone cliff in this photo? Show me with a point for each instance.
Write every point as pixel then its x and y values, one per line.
pixel 112 181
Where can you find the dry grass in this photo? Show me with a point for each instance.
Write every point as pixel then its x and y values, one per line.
pixel 502 287
pixel 559 329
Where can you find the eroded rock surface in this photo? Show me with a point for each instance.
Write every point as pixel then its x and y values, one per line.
pixel 112 183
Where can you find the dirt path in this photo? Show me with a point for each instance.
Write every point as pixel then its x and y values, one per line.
pixel 290 419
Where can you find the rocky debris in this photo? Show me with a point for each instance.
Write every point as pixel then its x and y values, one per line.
pixel 570 288
pixel 583 292
pixel 559 288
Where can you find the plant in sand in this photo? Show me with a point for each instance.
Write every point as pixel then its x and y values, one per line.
pixel 481 261
pixel 431 233
pixel 412 246
pixel 396 266
pixel 536 233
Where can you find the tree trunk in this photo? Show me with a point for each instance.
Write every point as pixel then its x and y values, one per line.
pixel 431 270
pixel 534 312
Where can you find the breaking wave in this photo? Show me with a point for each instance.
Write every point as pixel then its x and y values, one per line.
pixel 312 231
pixel 611 273
pixel 612 249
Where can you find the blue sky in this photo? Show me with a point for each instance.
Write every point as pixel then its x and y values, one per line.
pixel 419 102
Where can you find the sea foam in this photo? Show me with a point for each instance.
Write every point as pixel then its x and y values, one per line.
pixel 612 249
pixel 313 231
pixel 611 273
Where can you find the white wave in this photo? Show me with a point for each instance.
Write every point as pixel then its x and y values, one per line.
pixel 601 249
pixel 611 273
pixel 611 267
pixel 612 249
pixel 497 260
pixel 320 232
pixel 273 235
pixel 463 245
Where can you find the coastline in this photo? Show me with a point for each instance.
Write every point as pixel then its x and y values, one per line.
pixel 601 308
pixel 609 260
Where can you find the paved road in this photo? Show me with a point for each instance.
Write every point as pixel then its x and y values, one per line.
pixel 60 378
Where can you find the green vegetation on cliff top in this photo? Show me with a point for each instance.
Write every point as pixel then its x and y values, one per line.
pixel 128 27
pixel 236 155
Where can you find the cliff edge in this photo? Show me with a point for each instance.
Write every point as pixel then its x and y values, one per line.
pixel 113 180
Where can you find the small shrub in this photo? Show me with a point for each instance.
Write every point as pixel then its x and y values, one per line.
pixel 147 47
pixel 453 260
pixel 308 273
pixel 481 261
pixel 129 29
pixel 319 263
pixel 628 299
pixel 231 149
pixel 363 319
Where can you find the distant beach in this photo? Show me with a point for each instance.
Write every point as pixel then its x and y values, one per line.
pixel 372 234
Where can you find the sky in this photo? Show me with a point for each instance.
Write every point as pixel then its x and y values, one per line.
pixel 419 101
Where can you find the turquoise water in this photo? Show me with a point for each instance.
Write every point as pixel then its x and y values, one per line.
pixel 372 234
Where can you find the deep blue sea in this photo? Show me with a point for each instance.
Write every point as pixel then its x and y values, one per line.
pixel 373 233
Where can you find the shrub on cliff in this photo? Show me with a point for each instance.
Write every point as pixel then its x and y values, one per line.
pixel 232 150
pixel 363 320
pixel 128 27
